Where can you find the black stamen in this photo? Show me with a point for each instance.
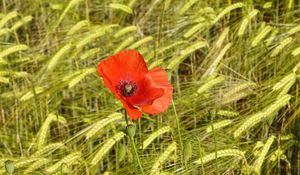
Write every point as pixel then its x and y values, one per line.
pixel 127 88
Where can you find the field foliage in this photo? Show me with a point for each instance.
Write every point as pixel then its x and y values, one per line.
pixel 234 66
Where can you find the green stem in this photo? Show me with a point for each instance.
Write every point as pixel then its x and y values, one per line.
pixel 177 125
pixel 212 115
pixel 134 147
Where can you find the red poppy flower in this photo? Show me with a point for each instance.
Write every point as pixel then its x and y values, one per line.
pixel 138 88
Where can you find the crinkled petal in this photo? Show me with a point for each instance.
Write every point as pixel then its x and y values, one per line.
pixel 133 113
pixel 146 94
pixel 159 79
pixel 126 65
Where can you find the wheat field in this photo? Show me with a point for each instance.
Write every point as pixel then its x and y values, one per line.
pixel 234 66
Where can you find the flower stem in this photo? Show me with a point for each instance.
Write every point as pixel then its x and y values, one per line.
pixel 134 147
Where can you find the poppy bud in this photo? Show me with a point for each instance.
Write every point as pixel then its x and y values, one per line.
pixel 131 130
pixel 9 166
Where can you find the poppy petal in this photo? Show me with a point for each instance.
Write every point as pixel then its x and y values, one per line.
pixel 106 80
pixel 159 78
pixel 133 113
pixel 126 65
pixel 146 94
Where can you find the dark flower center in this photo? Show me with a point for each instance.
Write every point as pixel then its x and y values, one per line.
pixel 127 88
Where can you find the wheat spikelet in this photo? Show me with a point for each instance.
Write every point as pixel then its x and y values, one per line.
pixel 218 125
pixel 193 48
pixel 156 63
pixel 185 53
pixel 8 17
pixel 222 37
pixel 238 88
pixel 248 123
pixel 253 13
pixel 277 155
pixel 235 97
pixel 122 152
pixel 49 148
pixel 243 26
pixel 272 37
pixel 13 49
pixel 290 4
pixel 227 10
pixel 44 130
pixel 206 10
pixel 131 3
pixel 14 74
pixel 221 153
pixel 162 50
pixel 25 162
pixel 21 22
pixel 125 30
pixel 259 161
pixel 89 53
pixel 217 60
pixel 227 113
pixel 4 80
pixel 167 4
pixel 67 161
pixel 67 78
pixel 141 42
pixel 19 74
pixel 268 5
pixel 71 4
pixel 277 105
pixel 296 51
pixel 3 62
pixel 286 137
pixel 211 83
pixel 187 6
pixel 30 93
pixel 3 160
pixel 4 73
pixel 282 44
pixel 23 60
pixel 96 33
pixel 246 20
pixel 78 26
pixel 194 29
pixel 81 76
pixel 121 7
pixel 162 158
pixel 101 124
pixel 286 79
pixel 295 69
pixel 261 35
pixel 258 145
pixel 4 31
pixel 55 59
pixel 124 44
pixel 294 30
pixel 199 20
pixel 268 111
pixel 154 135
pixel 287 88
pixel 106 147
pixel 11 94
pixel 36 165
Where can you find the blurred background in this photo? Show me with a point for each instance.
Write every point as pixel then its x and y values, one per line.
pixel 234 66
